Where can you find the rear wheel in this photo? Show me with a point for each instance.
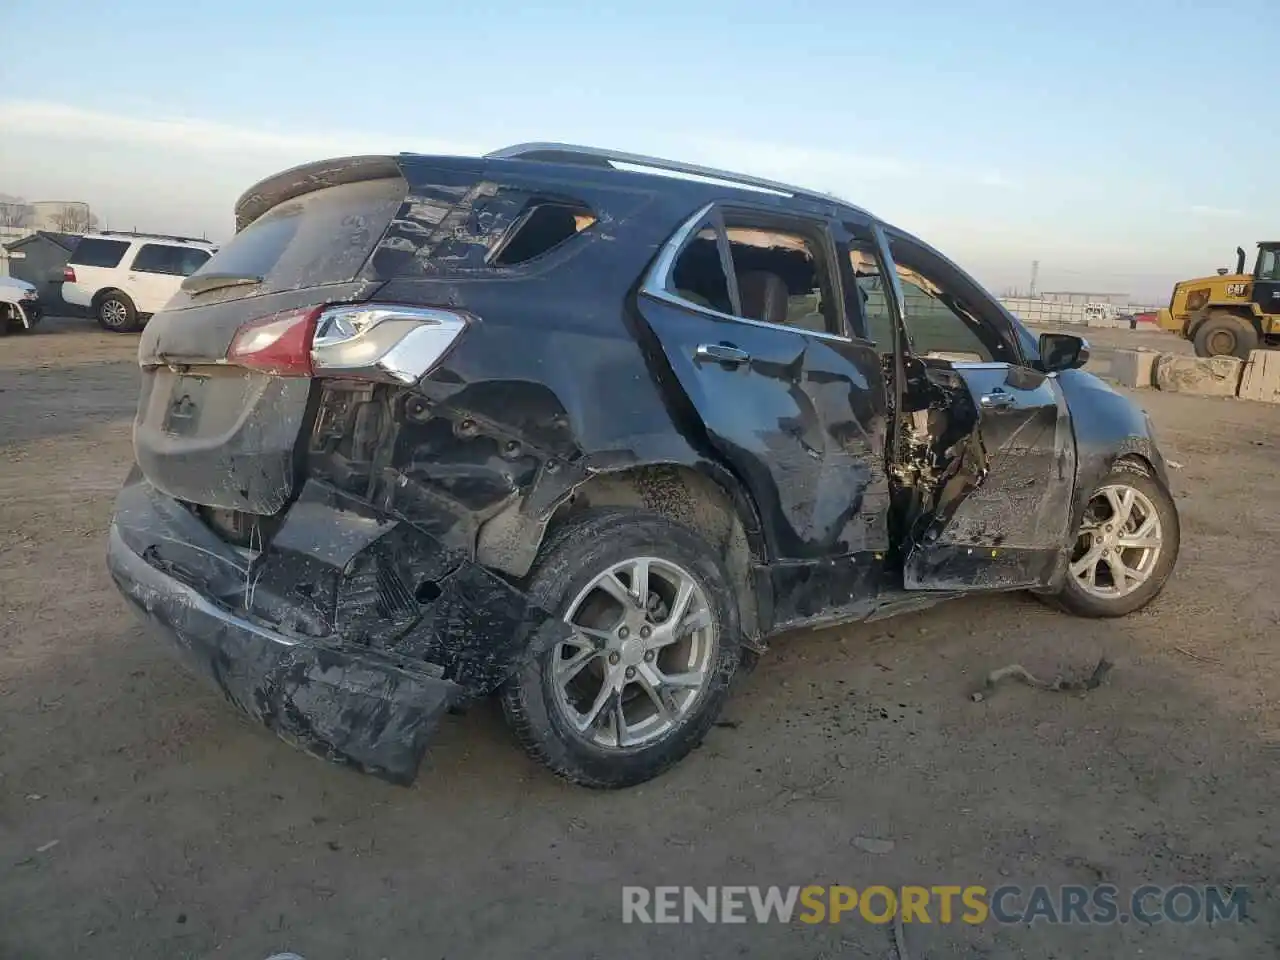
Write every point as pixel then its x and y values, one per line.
pixel 1125 548
pixel 115 312
pixel 654 646
pixel 1225 335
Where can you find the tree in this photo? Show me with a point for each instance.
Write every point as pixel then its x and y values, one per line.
pixel 74 218
pixel 15 213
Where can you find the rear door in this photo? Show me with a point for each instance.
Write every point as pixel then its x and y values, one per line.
pixel 747 311
pixel 1002 514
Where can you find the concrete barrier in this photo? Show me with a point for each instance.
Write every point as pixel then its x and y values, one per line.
pixel 1205 376
pixel 1134 368
pixel 1261 379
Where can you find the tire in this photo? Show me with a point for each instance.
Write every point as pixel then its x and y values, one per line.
pixel 1225 335
pixel 116 313
pixel 1074 596
pixel 537 705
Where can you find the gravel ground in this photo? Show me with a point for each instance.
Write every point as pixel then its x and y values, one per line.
pixel 141 817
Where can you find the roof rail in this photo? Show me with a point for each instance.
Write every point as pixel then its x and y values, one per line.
pixel 151 236
pixel 596 156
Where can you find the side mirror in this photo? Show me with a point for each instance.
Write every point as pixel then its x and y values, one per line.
pixel 1062 351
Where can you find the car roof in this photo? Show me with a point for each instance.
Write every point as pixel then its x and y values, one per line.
pixel 149 238
pixel 600 158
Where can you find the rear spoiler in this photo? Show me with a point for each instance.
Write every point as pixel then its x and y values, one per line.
pixel 295 182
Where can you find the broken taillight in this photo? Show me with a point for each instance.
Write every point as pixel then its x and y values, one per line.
pixel 379 342
pixel 68 274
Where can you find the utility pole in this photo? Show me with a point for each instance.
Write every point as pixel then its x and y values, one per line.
pixel 1035 273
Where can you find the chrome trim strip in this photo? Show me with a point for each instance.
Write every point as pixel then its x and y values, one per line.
pixel 655 284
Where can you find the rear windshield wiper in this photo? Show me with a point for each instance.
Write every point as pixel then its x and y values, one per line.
pixel 204 282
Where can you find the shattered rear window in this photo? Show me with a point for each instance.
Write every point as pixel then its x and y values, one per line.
pixel 542 227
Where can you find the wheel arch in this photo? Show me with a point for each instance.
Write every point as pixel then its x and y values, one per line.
pixel 704 496
pixel 104 292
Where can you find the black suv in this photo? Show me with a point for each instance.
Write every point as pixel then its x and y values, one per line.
pixel 585 429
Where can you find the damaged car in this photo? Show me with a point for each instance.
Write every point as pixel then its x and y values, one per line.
pixel 584 430
pixel 20 307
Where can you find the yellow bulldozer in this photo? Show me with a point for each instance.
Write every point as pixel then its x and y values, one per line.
pixel 1232 313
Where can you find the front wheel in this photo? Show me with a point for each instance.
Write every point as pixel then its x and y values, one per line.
pixel 654 646
pixel 1225 335
pixel 1125 548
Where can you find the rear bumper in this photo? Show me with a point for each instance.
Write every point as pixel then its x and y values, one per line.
pixel 368 703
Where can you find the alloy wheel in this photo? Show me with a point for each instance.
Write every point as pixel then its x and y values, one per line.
pixel 113 313
pixel 641 655
pixel 1119 542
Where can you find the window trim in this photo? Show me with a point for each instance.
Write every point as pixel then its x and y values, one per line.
pixel 1006 334
pixel 655 282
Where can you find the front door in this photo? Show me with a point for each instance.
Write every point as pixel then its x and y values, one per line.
pixel 748 313
pixel 1001 510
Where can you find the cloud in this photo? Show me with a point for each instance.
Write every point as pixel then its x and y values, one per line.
pixel 1221 213
pixel 41 119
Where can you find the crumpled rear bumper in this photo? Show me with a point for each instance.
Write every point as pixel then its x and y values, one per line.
pixel 350 697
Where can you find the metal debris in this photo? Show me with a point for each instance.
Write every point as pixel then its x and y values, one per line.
pixel 1057 685
pixel 873 844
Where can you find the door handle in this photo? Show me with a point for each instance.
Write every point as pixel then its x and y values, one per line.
pixel 997 400
pixel 725 353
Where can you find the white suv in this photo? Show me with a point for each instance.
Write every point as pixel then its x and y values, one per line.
pixel 124 278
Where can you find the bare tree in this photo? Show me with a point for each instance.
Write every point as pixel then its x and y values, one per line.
pixel 74 218
pixel 15 214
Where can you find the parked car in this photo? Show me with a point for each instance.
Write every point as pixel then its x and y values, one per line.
pixel 433 428
pixel 20 307
pixel 125 278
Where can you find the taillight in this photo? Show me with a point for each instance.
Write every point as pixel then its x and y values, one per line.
pixel 68 274
pixel 379 342
pixel 279 344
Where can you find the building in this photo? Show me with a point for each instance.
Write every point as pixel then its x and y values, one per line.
pixel 38 258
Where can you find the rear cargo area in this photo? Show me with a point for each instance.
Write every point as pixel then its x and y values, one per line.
pixel 211 433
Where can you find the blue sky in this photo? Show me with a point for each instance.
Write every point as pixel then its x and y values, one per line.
pixel 1082 135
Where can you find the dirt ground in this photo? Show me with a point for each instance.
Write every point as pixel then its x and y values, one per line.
pixel 141 817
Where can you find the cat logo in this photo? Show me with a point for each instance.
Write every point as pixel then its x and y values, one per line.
pixel 1236 289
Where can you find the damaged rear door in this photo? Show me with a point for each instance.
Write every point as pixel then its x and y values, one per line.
pixel 747 311
pixel 1000 508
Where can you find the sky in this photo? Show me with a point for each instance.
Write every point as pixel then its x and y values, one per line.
pixel 1122 144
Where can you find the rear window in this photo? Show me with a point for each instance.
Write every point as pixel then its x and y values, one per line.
pixel 322 237
pixel 97 252
pixel 168 259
